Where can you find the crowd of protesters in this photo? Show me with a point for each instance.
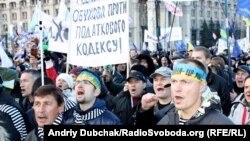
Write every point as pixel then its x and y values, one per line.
pixel 192 88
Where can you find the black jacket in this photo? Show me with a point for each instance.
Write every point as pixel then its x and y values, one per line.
pixel 122 107
pixel 218 84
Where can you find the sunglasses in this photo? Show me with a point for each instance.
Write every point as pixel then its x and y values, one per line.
pixel 167 85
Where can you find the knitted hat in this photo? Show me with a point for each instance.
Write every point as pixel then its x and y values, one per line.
pixel 67 78
pixel 93 78
pixel 76 71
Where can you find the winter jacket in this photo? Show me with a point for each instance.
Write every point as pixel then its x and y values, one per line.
pixel 207 114
pixel 219 85
pixel 240 110
pixel 122 107
pixel 14 119
pixel 98 114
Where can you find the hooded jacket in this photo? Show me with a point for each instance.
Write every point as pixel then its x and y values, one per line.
pixel 239 106
pixel 98 114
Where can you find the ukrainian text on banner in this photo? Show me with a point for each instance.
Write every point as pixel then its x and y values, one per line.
pixel 99 33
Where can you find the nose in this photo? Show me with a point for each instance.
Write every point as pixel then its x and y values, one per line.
pixel 41 108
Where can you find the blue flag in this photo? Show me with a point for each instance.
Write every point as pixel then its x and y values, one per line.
pixel 243 8
pixel 236 48
pixel 180 46
pixel 134 46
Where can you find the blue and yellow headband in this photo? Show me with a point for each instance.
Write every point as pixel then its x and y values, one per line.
pixel 190 71
pixel 91 78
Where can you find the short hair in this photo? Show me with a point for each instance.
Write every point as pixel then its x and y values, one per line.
pixel 204 50
pixel 34 73
pixel 38 82
pixel 219 61
pixel 196 62
pixel 50 90
pixel 246 78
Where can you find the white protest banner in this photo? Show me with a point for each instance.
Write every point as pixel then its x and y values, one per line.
pixel 149 37
pixel 171 7
pixel 176 34
pixel 222 45
pixel 5 60
pixel 243 44
pixel 57 33
pixel 99 33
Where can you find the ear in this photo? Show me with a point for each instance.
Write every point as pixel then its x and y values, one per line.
pixel 61 107
pixel 208 60
pixel 203 86
pixel 144 85
pixel 97 92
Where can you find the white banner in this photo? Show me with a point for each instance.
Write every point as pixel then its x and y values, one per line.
pixel 176 34
pixel 57 33
pixel 99 33
pixel 149 37
pixel 5 60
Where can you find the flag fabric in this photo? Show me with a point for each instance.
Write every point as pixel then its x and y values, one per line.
pixel 246 20
pixel 180 46
pixel 34 20
pixel 63 14
pixel 236 48
pixel 223 32
pixel 243 8
pixel 134 46
pixel 190 47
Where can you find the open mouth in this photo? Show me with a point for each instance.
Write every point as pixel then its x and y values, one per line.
pixel 160 89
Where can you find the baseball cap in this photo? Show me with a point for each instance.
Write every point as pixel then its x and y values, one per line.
pixel 137 75
pixel 164 71
pixel 244 68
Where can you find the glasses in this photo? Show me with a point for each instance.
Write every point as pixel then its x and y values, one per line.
pixel 167 85
pixel 86 82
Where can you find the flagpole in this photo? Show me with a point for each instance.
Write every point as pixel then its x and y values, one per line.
pixel 227 32
pixel 41 40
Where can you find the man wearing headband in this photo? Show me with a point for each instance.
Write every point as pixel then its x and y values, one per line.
pixel 89 110
pixel 188 83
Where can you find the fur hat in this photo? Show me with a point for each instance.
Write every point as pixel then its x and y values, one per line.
pixel 67 78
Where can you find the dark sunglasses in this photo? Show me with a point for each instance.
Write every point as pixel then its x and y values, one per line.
pixel 167 85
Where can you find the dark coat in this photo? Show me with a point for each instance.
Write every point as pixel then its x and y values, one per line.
pixel 122 107
pixel 218 84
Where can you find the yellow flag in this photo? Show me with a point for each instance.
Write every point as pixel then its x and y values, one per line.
pixel 246 20
pixel 190 46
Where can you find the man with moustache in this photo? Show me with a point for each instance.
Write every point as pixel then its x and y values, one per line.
pixel 188 83
pixel 89 110
pixel 241 105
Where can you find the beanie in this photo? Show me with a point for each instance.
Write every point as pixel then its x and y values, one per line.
pixel 67 78
pixel 76 71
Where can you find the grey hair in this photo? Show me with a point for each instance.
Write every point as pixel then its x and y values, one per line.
pixel 4 136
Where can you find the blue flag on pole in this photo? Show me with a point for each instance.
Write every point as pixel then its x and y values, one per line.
pixel 180 46
pixel 134 46
pixel 236 48
pixel 243 8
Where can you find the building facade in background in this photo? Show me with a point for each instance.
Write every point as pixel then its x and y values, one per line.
pixel 144 14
